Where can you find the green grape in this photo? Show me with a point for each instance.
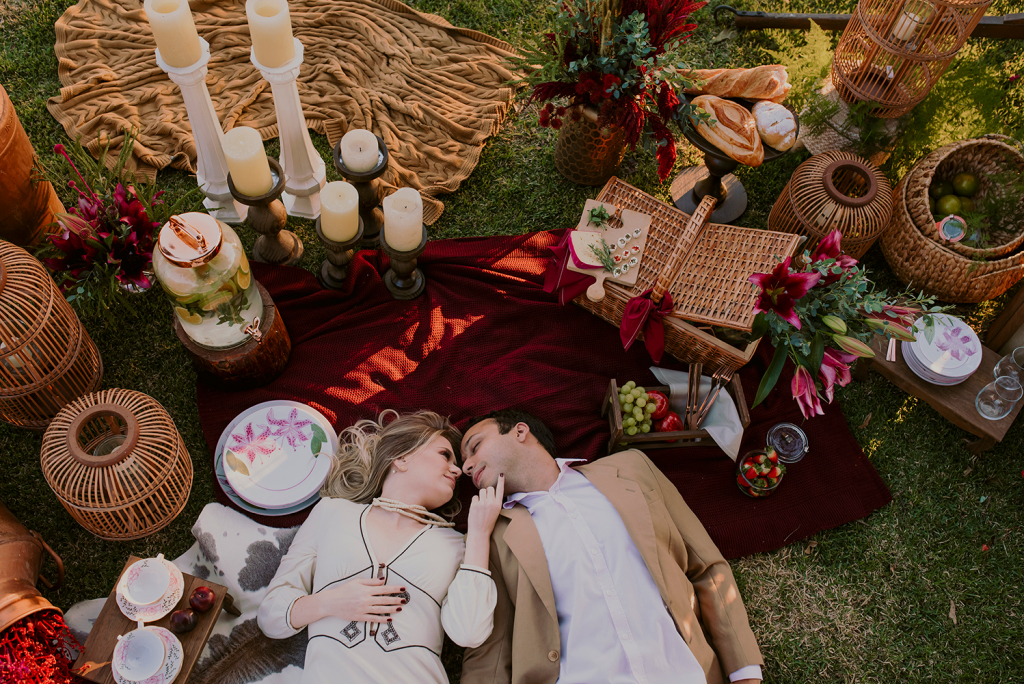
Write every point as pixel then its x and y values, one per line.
pixel 638 413
pixel 627 407
pixel 645 428
pixel 637 394
pixel 641 390
pixel 651 407
pixel 629 422
pixel 631 431
pixel 641 402
pixel 629 386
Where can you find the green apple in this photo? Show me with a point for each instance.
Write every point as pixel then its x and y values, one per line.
pixel 965 184
pixel 949 204
pixel 941 189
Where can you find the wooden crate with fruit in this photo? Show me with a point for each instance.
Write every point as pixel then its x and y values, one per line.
pixel 664 432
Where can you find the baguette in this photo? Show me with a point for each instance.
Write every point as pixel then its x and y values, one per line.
pixel 734 131
pixel 769 82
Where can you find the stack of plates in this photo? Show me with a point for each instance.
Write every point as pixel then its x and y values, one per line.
pixel 273 458
pixel 947 354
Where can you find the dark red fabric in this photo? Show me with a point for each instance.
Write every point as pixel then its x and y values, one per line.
pixel 485 336
pixel 641 313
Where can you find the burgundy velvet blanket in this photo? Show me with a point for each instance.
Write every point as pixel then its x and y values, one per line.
pixel 485 336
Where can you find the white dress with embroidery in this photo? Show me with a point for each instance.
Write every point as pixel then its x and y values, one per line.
pixel 331 547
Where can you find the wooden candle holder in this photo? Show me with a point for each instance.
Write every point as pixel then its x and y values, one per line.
pixel 268 217
pixel 403 279
pixel 371 193
pixel 253 364
pixel 334 269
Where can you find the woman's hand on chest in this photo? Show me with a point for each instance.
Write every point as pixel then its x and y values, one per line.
pixel 361 600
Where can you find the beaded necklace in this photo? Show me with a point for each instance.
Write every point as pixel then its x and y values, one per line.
pixel 415 511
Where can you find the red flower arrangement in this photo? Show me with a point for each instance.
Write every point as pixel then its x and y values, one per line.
pixel 105 246
pixel 615 55
pixel 37 650
pixel 823 317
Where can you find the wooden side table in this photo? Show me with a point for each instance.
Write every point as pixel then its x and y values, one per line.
pixel 955 403
pixel 94 661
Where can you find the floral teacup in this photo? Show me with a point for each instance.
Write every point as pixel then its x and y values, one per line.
pixel 139 654
pixel 146 581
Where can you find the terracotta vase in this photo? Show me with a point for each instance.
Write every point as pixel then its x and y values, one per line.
pixel 27 203
pixel 21 557
pixel 586 153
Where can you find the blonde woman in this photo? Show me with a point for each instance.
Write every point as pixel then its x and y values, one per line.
pixel 377 572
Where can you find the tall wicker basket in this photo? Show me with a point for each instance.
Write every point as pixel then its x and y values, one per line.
pixel 47 359
pixel 894 51
pixel 704 266
pixel 835 190
pixel 920 258
pixel 116 462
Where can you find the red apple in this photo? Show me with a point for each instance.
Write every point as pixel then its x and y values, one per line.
pixel 670 423
pixel 202 599
pixel 661 402
pixel 183 621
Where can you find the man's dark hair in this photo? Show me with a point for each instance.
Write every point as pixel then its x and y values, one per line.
pixel 509 418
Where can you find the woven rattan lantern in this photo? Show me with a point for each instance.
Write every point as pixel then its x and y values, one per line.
pixel 835 190
pixel 117 464
pixel 47 359
pixel 893 51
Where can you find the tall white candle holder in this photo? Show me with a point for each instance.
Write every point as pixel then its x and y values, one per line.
pixel 304 170
pixel 211 166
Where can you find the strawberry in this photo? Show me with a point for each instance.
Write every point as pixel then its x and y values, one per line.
pixel 761 483
pixel 751 474
pixel 772 481
pixel 741 482
pixel 772 456
pixel 773 473
pixel 761 458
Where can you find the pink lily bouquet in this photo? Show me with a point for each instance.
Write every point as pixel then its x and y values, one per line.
pixel 823 316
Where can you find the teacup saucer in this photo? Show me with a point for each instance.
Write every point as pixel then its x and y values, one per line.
pixel 153 611
pixel 171 666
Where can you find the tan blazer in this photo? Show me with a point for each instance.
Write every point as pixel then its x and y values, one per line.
pixel 695 582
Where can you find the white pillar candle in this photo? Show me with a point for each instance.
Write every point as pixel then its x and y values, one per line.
pixel 247 161
pixel 359 150
pixel 339 211
pixel 906 26
pixel 175 32
pixel 270 26
pixel 403 219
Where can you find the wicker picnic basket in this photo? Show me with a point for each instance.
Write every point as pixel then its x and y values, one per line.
pixel 704 266
pixel 982 157
pixel 922 259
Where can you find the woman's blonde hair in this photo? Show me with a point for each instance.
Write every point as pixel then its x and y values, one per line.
pixel 369 447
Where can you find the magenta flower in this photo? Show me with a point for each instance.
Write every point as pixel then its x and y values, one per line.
pixel 290 428
pixel 781 288
pixel 805 393
pixel 835 369
pixel 830 248
pixel 252 445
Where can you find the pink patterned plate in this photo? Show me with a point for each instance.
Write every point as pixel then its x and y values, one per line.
pixel 172 663
pixel 153 611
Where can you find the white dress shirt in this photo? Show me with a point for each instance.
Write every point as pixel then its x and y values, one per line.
pixel 614 626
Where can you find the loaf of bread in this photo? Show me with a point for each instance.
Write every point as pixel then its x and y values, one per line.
pixel 769 82
pixel 775 124
pixel 734 131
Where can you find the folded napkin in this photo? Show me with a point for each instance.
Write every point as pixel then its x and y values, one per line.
pixel 722 421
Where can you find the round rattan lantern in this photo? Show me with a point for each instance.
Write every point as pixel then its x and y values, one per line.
pixel 47 359
pixel 893 51
pixel 117 463
pixel 835 190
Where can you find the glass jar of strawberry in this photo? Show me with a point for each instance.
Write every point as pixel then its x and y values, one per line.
pixel 759 473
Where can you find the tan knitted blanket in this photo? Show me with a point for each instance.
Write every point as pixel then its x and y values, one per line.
pixel 432 91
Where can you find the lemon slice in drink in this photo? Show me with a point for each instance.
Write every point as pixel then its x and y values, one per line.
pixel 191 319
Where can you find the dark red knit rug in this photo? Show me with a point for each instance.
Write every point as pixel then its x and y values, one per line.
pixel 485 336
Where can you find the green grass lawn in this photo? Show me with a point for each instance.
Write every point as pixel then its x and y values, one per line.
pixel 867 602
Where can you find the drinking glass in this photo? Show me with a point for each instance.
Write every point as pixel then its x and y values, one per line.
pixel 998 398
pixel 1012 365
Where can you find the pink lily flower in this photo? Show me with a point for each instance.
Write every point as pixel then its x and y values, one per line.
pixel 853 346
pixel 805 393
pixel 781 288
pixel 830 248
pixel 835 369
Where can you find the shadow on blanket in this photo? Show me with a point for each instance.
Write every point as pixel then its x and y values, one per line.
pixel 485 336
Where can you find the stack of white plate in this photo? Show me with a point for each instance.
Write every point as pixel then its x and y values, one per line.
pixel 273 458
pixel 947 355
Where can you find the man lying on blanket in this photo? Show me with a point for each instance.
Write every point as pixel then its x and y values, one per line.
pixel 603 572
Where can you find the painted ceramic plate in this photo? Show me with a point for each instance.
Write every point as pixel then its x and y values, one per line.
pixel 949 351
pixel 276 455
pixel 171 666
pixel 153 611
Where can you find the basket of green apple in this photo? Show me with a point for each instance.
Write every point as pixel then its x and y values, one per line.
pixel 640 417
